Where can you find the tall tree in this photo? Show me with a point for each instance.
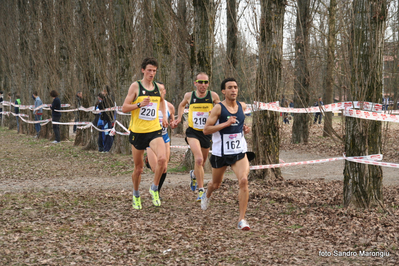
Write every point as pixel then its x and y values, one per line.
pixel 232 37
pixel 266 137
pixel 204 23
pixel 184 43
pixel 332 10
pixel 300 129
pixel 363 183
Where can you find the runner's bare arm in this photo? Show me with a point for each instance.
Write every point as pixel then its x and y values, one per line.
pixel 215 97
pixel 210 126
pixel 131 96
pixel 163 107
pixel 172 115
pixel 182 105
pixel 245 128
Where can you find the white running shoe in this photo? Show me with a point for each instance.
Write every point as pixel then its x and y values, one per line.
pixel 243 225
pixel 205 201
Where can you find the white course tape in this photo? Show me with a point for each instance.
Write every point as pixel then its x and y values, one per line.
pixel 359 159
pixel 31 107
pixel 41 122
pixel 371 115
pixel 368 159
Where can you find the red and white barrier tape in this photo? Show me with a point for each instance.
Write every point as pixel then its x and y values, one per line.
pixel 371 115
pixel 32 107
pixel 360 159
pixel 11 113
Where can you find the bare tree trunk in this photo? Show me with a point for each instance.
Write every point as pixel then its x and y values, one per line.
pixel 232 37
pixel 204 20
pixel 183 58
pixel 300 129
pixel 363 183
pixel 265 128
pixel 330 67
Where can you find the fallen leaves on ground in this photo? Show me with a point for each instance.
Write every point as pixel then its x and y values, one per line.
pixel 292 222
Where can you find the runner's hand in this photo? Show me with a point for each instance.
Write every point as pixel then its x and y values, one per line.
pixel 232 120
pixel 145 102
pixel 164 122
pixel 246 129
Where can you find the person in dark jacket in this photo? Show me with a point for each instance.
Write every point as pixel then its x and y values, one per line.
pixel 99 123
pixel 78 104
pixel 318 115
pixel 55 116
pixel 108 118
pixel 1 105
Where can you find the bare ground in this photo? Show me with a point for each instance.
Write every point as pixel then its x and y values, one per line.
pixel 62 205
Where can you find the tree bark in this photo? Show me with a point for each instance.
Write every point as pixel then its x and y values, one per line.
pixel 265 128
pixel 363 183
pixel 328 129
pixel 204 22
pixel 232 37
pixel 300 129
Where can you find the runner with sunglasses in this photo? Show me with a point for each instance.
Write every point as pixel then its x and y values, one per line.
pixel 200 102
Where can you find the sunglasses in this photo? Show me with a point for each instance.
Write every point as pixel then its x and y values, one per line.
pixel 202 81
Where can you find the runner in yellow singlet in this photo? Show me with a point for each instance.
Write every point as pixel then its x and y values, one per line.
pixel 200 102
pixel 143 101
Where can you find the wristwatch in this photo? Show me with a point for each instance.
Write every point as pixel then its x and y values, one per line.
pixel 138 105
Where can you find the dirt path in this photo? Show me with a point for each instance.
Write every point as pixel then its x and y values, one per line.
pixel 28 164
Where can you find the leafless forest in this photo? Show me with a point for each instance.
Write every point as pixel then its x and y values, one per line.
pixel 286 51
pixel 278 50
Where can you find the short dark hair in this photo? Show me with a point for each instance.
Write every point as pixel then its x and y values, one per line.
pixel 35 93
pixel 223 85
pixel 53 93
pixel 149 61
pixel 101 95
pixel 18 96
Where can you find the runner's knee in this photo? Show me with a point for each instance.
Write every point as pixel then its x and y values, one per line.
pixel 216 185
pixel 138 169
pixel 162 161
pixel 199 161
pixel 243 182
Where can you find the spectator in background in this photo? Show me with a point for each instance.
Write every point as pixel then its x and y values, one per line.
pixel 37 113
pixel 78 104
pixel 292 106
pixel 385 102
pixel 1 105
pixel 318 114
pixel 56 116
pixel 98 122
pixel 107 117
pixel 16 109
pixel 284 103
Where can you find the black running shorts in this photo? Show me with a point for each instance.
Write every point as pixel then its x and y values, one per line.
pixel 142 140
pixel 205 140
pixel 226 160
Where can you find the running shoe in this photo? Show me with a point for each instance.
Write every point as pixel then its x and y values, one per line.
pixel 155 197
pixel 193 184
pixel 205 202
pixel 136 203
pixel 201 194
pixel 243 225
